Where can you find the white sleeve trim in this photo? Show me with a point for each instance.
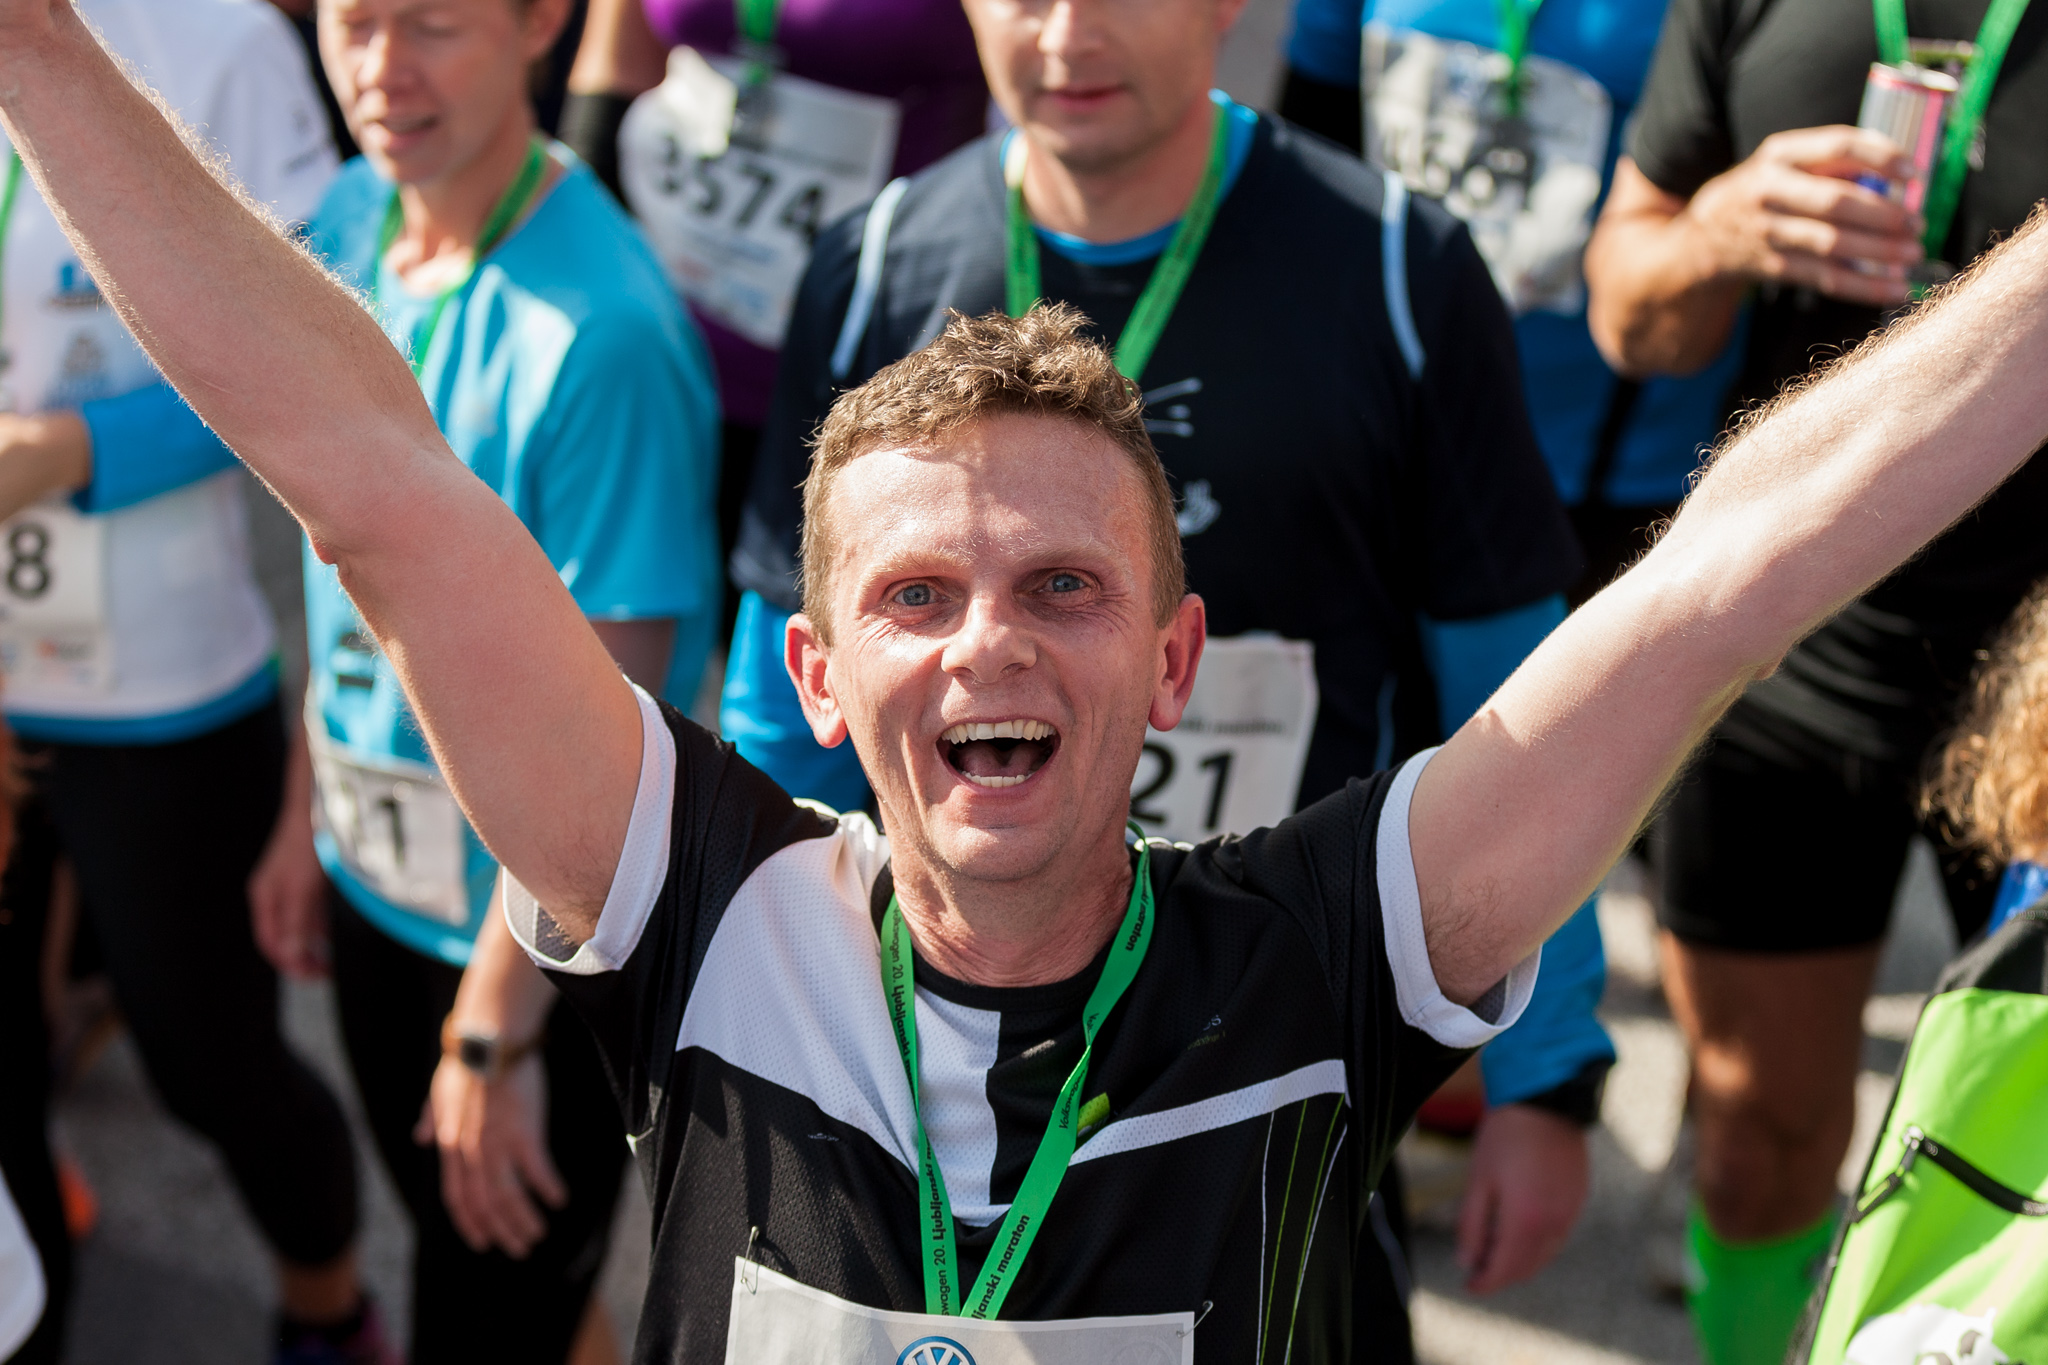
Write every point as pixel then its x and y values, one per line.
pixel 1416 992
pixel 643 864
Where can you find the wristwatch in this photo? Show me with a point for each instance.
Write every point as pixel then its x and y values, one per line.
pixel 485 1054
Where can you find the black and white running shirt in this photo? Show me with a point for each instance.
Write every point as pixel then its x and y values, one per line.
pixel 1282 1031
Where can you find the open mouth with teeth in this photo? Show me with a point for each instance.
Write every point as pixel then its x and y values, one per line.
pixel 998 753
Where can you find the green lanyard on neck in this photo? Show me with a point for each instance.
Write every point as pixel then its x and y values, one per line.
pixel 943 1278
pixel 1994 36
pixel 515 201
pixel 8 189
pixel 1515 18
pixel 1169 276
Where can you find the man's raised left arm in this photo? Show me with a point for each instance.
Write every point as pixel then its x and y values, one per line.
pixel 1516 820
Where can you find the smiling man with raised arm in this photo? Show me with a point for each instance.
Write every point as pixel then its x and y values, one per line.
pixel 1005 1061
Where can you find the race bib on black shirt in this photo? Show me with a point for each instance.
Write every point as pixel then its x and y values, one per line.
pixel 1242 1098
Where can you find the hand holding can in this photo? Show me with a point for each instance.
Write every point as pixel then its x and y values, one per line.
pixel 1909 105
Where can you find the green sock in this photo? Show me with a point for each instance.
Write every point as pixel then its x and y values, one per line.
pixel 1746 1299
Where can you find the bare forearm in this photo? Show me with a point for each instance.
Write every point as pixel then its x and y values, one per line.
pixel 525 713
pixel 1531 802
pixel 277 358
pixel 1654 302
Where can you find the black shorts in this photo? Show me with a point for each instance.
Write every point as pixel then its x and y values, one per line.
pixel 1789 854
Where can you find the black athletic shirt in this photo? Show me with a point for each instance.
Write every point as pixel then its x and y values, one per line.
pixel 1325 494
pixel 1728 73
pixel 1279 1035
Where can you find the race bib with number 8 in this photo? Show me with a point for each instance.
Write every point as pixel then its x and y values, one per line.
pixel 396 827
pixel 733 184
pixel 1234 762
pixel 53 604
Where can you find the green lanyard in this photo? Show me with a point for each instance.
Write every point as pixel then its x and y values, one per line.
pixel 1515 18
pixel 514 203
pixel 942 1282
pixel 1169 277
pixel 757 20
pixel 8 189
pixel 1994 36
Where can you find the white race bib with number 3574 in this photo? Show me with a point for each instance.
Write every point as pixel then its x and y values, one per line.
pixel 53 600
pixel 1234 762
pixel 396 826
pixel 734 184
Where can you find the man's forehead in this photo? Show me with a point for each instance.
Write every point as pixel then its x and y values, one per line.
pixel 1011 485
pixel 1008 449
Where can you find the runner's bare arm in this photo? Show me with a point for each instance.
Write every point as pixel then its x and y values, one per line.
pixel 527 715
pixel 1529 804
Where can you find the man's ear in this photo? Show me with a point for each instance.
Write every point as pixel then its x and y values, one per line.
pixel 805 656
pixel 1183 643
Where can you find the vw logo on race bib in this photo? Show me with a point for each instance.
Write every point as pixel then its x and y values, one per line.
pixel 935 1351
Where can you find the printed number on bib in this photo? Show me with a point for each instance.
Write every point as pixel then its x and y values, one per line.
pixel 53 606
pixel 733 184
pixel 779 1321
pixel 1234 762
pixel 1437 113
pixel 396 826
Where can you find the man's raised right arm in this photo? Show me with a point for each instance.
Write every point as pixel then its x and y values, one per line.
pixel 535 729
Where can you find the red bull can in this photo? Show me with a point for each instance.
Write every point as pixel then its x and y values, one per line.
pixel 1909 105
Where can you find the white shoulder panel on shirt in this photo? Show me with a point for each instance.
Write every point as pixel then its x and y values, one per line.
pixel 643 863
pixel 791 989
pixel 1421 1001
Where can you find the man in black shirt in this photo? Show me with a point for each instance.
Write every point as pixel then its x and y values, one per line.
pixel 803 1019
pixel 1780 858
pixel 1402 464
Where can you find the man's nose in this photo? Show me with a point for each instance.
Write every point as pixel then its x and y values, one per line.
pixel 1070 28
pixel 992 641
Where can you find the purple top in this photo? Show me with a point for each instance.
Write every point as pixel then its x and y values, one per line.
pixel 919 53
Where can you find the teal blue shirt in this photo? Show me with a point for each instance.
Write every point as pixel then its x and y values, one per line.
pixel 566 375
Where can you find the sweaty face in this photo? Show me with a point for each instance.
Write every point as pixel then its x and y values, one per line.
pixel 995 655
pixel 1099 82
pixel 426 84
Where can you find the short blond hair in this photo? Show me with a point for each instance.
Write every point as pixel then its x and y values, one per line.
pixel 1039 365
pixel 1989 781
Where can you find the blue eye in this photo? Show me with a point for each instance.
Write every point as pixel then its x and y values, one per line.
pixel 1065 582
pixel 916 595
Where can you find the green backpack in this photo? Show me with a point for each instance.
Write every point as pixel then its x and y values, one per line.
pixel 1943 1258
